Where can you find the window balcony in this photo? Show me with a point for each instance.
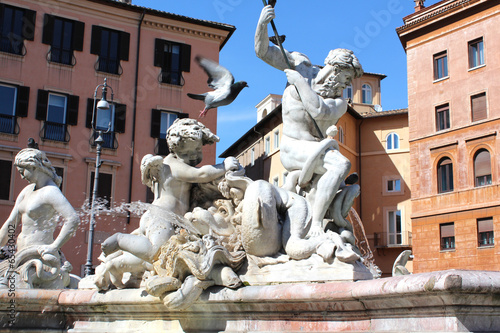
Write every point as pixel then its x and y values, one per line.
pixel 55 132
pixel 8 124
pixel 385 239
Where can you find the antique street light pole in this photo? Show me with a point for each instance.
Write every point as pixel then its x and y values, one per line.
pixel 103 104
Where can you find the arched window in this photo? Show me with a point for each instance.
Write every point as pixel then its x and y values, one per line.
pixel 445 175
pixel 341 135
pixel 482 168
pixel 392 141
pixel 367 94
pixel 348 92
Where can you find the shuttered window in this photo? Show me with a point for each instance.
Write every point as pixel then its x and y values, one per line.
pixel 111 46
pixel 64 36
pixel 160 122
pixel 478 106
pixel 56 111
pixel 442 117
pixel 485 232
pixel 16 26
pixel 173 58
pixel 445 175
pixel 482 168
pixel 447 231
pixel 440 65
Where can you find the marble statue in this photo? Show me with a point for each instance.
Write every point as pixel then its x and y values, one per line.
pixel 311 107
pixel 38 261
pixel 171 179
pixel 399 267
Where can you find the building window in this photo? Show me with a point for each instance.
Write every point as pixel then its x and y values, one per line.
pixel 485 235
pixel 447 232
pixel 482 168
pixel 440 65
pixel 285 175
pixel 348 92
pixel 160 122
pixel 445 175
pixel 64 36
pixel 16 25
pixel 367 94
pixel 392 141
pixel 267 145
pixel 57 111
pixel 110 122
pixel 276 181
pixel 341 135
pixel 60 173
pixel 476 53
pixel 276 139
pixel 252 156
pixel 478 107
pixel 6 171
pixel 111 46
pixel 14 103
pixel 173 58
pixel 394 185
pixel 394 235
pixel 442 117
pixel 104 189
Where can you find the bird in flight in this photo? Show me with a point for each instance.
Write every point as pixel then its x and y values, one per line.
pixel 222 81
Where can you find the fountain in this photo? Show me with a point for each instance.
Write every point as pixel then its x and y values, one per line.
pixel 217 251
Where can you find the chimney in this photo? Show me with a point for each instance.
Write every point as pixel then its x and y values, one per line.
pixel 419 5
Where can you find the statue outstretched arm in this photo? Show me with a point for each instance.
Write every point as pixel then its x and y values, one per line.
pixel 271 54
pixel 204 174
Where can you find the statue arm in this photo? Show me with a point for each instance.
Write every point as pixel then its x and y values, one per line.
pixel 12 221
pixel 313 103
pixel 270 54
pixel 204 174
pixel 71 219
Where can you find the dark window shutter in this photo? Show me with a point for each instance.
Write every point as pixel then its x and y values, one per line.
pixel 90 109
pixel 182 115
pixel 120 113
pixel 185 57
pixel 155 123
pixel 29 20
pixel 41 104
pixel 48 29
pixel 478 105
pixel 72 115
pixel 159 51
pixel 95 44
pixel 23 96
pixel 77 41
pixel 124 45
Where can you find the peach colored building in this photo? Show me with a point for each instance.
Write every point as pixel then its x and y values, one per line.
pixel 54 53
pixel 376 143
pixel 452 49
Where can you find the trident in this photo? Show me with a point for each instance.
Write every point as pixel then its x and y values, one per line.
pixel 278 41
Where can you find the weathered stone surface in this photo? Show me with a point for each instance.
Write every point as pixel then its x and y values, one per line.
pixel 448 301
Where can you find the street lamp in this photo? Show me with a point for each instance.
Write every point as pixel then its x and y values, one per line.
pixel 103 104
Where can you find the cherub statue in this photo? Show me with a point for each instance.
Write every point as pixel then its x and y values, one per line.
pixel 171 180
pixel 38 261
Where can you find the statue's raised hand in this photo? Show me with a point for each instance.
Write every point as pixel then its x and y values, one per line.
pixel 231 164
pixel 293 76
pixel 266 15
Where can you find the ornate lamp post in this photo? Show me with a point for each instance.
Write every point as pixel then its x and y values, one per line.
pixel 101 105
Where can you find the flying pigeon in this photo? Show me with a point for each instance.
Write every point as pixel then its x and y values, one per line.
pixel 220 79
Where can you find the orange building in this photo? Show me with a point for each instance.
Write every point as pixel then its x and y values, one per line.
pixel 53 54
pixel 376 143
pixel 452 49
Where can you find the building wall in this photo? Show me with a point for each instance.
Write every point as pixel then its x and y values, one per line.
pixel 466 203
pixel 77 157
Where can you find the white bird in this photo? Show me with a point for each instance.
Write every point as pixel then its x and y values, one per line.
pixel 220 79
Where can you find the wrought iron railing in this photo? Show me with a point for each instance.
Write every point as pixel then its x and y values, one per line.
pixel 8 124
pixel 61 56
pixel 108 66
pixel 385 239
pixel 171 77
pixel 55 132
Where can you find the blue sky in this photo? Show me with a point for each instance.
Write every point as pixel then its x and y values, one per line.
pixel 312 27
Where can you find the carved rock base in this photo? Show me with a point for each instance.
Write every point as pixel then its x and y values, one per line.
pixel 313 269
